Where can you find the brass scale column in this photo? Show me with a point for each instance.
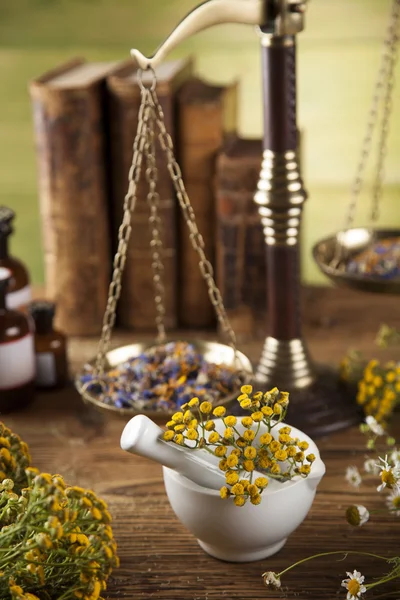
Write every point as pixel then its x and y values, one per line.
pixel 318 403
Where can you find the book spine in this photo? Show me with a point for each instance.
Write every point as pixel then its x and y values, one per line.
pixel 201 134
pixel 240 252
pixel 70 150
pixel 136 308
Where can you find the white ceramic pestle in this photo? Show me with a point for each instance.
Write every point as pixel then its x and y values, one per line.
pixel 144 437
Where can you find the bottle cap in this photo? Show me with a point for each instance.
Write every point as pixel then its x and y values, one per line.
pixel 42 312
pixel 6 218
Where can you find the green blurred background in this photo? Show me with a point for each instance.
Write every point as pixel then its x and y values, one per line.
pixel 339 54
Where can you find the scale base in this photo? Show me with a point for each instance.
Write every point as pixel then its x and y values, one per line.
pixel 325 406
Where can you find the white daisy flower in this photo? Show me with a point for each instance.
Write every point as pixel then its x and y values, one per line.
pixel 390 475
pixel 272 580
pixel 374 426
pixel 371 467
pixel 354 585
pixel 395 456
pixel 393 501
pixel 353 476
pixel 357 515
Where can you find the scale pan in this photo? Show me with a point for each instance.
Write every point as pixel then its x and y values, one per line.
pixel 355 241
pixel 213 352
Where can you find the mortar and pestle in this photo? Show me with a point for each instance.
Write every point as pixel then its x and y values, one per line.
pixel 192 481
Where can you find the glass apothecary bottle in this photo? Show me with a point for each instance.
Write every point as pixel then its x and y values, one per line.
pixel 17 353
pixel 19 290
pixel 50 347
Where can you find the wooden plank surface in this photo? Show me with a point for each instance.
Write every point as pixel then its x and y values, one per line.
pixel 159 558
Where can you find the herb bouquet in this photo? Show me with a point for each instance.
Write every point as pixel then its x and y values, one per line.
pixel 56 541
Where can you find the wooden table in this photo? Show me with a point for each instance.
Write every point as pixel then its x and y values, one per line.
pixel 159 558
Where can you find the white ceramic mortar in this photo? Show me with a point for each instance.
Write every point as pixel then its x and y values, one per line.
pixel 249 532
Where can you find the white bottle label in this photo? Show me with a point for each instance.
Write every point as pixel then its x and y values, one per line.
pixel 19 298
pixel 17 362
pixel 46 374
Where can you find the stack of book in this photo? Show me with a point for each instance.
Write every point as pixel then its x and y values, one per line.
pixel 85 121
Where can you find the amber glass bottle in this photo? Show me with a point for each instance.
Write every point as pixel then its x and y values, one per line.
pixel 50 347
pixel 19 291
pixel 17 354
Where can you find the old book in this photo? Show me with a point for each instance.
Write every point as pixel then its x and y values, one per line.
pixel 240 251
pixel 71 147
pixel 206 114
pixel 136 307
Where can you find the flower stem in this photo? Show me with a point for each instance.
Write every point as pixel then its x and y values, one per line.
pixel 296 564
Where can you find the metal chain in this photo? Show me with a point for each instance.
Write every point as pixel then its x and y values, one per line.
pixel 125 230
pixel 156 244
pixel 196 238
pixel 387 110
pixel 383 88
pixel 383 75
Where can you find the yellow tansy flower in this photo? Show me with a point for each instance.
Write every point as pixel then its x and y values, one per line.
pixel 261 482
pixel 247 421
pixel 168 435
pixel 213 437
pixel 255 499
pixel 239 500
pixel 257 416
pixel 237 489
pixel 177 417
pixel 250 452
pixel 248 465
pixel 232 461
pixel 230 421
pixel 220 451
pixel 266 439
pixel 224 492
pixel 246 389
pixel 249 435
pixel 205 407
pixel 219 411
pixel 231 477
pixel 193 402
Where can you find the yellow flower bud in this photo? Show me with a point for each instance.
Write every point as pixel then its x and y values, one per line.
pixel 249 435
pixel 192 434
pixel 257 416
pixel 219 411
pixel 255 499
pixel 228 433
pixel 230 421
pixel 205 407
pixel 245 403
pixel 246 389
pixel 220 451
pixel 213 437
pixel 261 482
pixel 265 439
pixel 303 445
pixel 232 461
pixel 168 435
pixel 248 465
pixel 237 489
pixel 224 492
pixel 239 500
pixel 250 452
pixel 193 402
pixel 231 477
pixel 177 417
pixel 209 426
pixel 247 421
